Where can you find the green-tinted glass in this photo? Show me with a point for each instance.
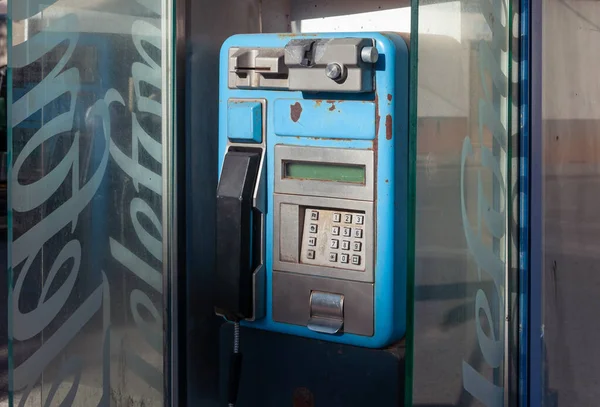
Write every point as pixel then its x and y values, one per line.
pixel 325 172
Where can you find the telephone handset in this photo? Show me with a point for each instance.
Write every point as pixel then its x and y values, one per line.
pixel 235 234
pixel 312 202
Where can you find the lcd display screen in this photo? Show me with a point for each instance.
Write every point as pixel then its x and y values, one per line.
pixel 354 174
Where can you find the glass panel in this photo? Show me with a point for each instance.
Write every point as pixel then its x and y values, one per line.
pixel 3 206
pixel 88 127
pixel 462 203
pixel 571 224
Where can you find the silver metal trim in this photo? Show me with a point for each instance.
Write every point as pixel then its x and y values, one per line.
pixel 259 199
pixel 334 203
pixel 326 312
pixel 259 292
pixel 259 278
pixel 308 72
pixel 291 300
pixel 265 68
pixel 369 55
pixel 284 185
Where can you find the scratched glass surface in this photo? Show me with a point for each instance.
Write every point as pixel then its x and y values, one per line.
pixel 461 203
pixel 571 182
pixel 86 182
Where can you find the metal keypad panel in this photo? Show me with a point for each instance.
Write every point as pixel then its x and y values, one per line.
pixel 334 238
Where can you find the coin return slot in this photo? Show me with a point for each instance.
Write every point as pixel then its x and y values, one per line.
pixel 326 312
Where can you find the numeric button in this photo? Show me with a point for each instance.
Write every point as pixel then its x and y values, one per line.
pixel 337 217
pixel 359 219
pixel 358 233
pixel 347 218
pixel 356 246
pixel 335 230
pixel 345 245
pixel 347 232
pixel 344 258
pixel 334 244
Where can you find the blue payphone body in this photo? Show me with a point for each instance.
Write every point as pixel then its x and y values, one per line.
pixel 312 202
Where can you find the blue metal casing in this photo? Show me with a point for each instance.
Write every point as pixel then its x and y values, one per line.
pixel 244 122
pixel 375 121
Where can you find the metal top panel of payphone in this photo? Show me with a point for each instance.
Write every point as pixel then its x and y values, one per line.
pixel 311 65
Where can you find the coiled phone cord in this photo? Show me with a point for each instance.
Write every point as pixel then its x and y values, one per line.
pixel 236 337
pixel 235 365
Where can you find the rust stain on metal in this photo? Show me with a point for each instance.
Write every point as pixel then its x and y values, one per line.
pixel 325 139
pixel 332 108
pixel 295 111
pixel 303 398
pixel 388 127
pixel 376 158
pixel 294 35
pixel 376 142
pixel 390 97
pixel 318 103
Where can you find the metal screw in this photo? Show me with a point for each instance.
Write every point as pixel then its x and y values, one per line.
pixel 333 71
pixel 370 55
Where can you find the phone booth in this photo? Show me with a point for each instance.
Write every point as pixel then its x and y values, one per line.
pixel 301 203
pixel 340 168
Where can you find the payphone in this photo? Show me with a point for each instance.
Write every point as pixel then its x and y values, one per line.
pixel 312 200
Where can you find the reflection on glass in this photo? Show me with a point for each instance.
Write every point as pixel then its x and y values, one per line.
pixel 461 203
pixel 86 185
pixel 571 177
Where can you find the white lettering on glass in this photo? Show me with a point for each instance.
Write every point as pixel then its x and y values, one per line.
pixel 64 82
pixel 26 197
pixel 486 258
pixel 148 72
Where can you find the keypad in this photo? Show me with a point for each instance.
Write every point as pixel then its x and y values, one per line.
pixel 334 239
